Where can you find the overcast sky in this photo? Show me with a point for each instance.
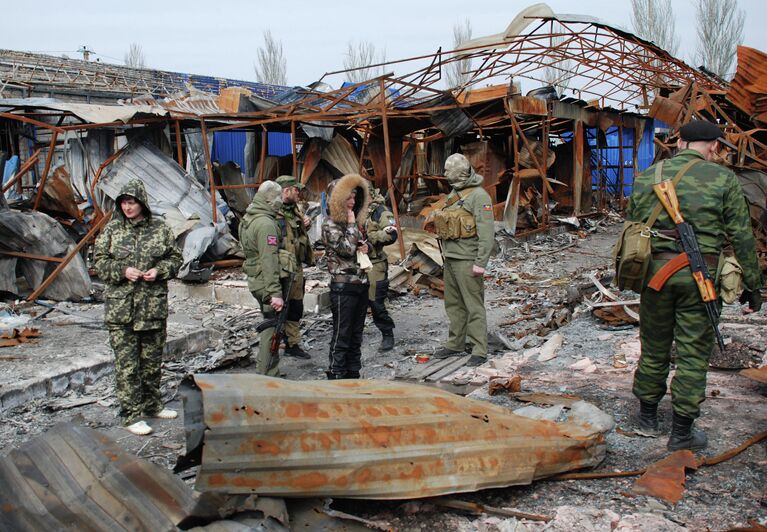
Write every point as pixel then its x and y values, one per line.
pixel 220 38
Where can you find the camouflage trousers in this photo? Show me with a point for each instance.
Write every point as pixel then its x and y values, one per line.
pixel 675 314
pixel 378 277
pixel 138 357
pixel 295 310
pixel 465 307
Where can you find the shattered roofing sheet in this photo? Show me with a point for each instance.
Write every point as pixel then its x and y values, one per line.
pixel 95 114
pixel 368 439
pixel 75 478
pixel 748 89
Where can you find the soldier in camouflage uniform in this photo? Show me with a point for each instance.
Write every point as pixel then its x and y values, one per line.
pixel 711 200
pixel 295 240
pixel 465 260
pixel 135 255
pixel 267 264
pixel 343 239
pixel 381 231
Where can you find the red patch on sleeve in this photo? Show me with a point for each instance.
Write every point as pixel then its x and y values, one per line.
pixel 271 240
pixel 487 207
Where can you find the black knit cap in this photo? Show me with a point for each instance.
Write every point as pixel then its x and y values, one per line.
pixel 699 130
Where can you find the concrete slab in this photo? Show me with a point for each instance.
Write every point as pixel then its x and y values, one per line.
pixel 73 352
pixel 235 292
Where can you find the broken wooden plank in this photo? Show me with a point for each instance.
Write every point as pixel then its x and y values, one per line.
pixel 456 363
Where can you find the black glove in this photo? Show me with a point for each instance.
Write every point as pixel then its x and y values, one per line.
pixel 753 298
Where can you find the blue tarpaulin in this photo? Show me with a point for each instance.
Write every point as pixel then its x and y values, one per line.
pixel 230 146
pixel 610 157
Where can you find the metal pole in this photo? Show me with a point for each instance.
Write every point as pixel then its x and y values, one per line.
pixel 44 177
pixel 63 264
pixel 209 166
pixel 620 166
pixel 577 166
pixel 389 175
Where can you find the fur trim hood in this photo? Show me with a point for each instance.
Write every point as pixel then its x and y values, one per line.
pixel 340 191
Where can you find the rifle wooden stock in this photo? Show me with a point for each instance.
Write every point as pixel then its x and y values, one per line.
pixel 668 198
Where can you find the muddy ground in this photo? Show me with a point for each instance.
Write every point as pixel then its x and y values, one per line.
pixel 547 278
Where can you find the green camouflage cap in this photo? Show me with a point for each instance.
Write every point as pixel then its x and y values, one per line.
pixel 286 181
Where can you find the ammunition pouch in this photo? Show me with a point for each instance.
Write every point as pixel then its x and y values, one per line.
pixel 288 263
pixel 452 224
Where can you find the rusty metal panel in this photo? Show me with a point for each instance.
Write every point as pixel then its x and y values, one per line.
pixel 749 86
pixel 369 439
pixel 76 478
pixel 527 105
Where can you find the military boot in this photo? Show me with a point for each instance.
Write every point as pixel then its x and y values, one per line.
pixel 683 437
pixel 296 351
pixel 334 376
pixel 352 375
pixel 647 422
pixel 387 342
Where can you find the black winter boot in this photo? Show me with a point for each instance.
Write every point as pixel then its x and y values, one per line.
pixel 296 351
pixel 351 375
pixel 334 376
pixel 683 437
pixel 387 342
pixel 647 422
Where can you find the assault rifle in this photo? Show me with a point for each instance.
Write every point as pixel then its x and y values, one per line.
pixel 279 322
pixel 667 196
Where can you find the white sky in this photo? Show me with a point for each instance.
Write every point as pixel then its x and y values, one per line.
pixel 220 38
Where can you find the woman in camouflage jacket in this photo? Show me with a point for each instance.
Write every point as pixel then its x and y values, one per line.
pixel 135 256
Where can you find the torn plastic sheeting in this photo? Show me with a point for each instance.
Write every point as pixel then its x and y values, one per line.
pixel 76 478
pixel 37 233
pixel 665 478
pixel 367 439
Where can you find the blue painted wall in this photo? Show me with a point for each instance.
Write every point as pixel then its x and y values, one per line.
pixel 230 146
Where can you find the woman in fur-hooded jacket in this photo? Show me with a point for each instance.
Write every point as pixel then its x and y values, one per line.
pixel 343 238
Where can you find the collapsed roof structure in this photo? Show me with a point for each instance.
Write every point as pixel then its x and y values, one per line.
pixel 541 154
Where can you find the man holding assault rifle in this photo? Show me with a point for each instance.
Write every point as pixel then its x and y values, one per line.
pixel 703 206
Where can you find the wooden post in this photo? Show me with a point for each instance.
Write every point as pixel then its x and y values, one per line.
pixel 293 145
pixel 262 159
pixel 577 166
pixel 389 175
pixel 514 188
pixel 545 154
pixel 44 177
pixel 179 153
pixel 209 166
pixel 620 165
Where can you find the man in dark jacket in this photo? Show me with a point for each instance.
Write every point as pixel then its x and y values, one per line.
pixel 266 264
pixel 711 201
pixel 135 255
pixel 344 249
pixel 381 231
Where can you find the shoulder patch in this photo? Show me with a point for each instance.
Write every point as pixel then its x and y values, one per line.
pixel 271 240
pixel 487 207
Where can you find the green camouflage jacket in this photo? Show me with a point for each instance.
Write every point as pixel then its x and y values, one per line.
pixel 294 235
pixel 261 241
pixel 143 245
pixel 711 201
pixel 479 204
pixel 379 218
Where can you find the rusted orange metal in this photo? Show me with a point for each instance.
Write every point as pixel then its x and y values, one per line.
pixel 758 374
pixel 369 439
pixel 749 86
pixel 665 479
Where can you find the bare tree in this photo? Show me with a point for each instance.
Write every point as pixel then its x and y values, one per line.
pixel 457 72
pixel 135 56
pixel 558 72
pixel 654 21
pixel 720 31
pixel 359 57
pixel 272 67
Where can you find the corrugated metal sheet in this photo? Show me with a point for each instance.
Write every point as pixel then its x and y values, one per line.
pixel 167 185
pixel 748 89
pixel 340 155
pixel 279 144
pixel 76 478
pixel 368 439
